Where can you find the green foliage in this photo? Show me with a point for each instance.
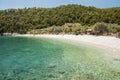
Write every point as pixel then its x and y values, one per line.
pixel 100 28
pixel 67 30
pixel 118 34
pixel 22 20
pixel 114 28
pixel 76 28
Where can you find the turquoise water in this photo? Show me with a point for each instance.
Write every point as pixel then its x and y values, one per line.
pixel 28 58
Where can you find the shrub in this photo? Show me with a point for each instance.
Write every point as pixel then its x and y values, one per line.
pixel 100 28
pixel 118 34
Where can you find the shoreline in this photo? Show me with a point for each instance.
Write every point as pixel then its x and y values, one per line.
pixel 106 43
pixel 98 41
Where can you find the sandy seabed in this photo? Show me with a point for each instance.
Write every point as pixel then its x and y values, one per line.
pixel 63 61
pixel 107 43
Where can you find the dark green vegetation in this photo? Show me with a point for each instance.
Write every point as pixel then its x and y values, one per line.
pixel 27 19
pixel 76 28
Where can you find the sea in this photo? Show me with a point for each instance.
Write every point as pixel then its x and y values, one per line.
pixel 35 58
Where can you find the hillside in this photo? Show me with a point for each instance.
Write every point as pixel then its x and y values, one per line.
pixel 22 20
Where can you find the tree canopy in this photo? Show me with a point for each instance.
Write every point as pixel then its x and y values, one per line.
pixel 22 20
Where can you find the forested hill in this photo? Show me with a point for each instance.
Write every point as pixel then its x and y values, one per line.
pixel 22 20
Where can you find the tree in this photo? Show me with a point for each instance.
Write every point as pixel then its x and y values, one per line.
pixel 17 20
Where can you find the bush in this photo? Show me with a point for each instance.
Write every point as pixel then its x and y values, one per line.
pixel 76 30
pixel 118 34
pixel 113 28
pixel 100 28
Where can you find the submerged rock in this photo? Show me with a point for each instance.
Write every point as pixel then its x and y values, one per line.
pixel 9 79
pixel 53 76
pixel 18 71
pixel 61 72
pixel 52 66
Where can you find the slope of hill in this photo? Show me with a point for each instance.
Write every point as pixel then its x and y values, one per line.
pixel 22 20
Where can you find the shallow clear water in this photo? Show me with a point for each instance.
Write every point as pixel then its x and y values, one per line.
pixel 28 58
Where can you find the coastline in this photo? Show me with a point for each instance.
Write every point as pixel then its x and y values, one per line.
pixel 108 43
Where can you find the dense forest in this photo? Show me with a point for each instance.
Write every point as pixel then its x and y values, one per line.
pixel 27 19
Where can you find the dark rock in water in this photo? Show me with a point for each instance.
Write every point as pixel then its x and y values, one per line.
pixel 52 76
pixel 9 79
pixel 5 78
pixel 61 72
pixel 18 71
pixel 90 77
